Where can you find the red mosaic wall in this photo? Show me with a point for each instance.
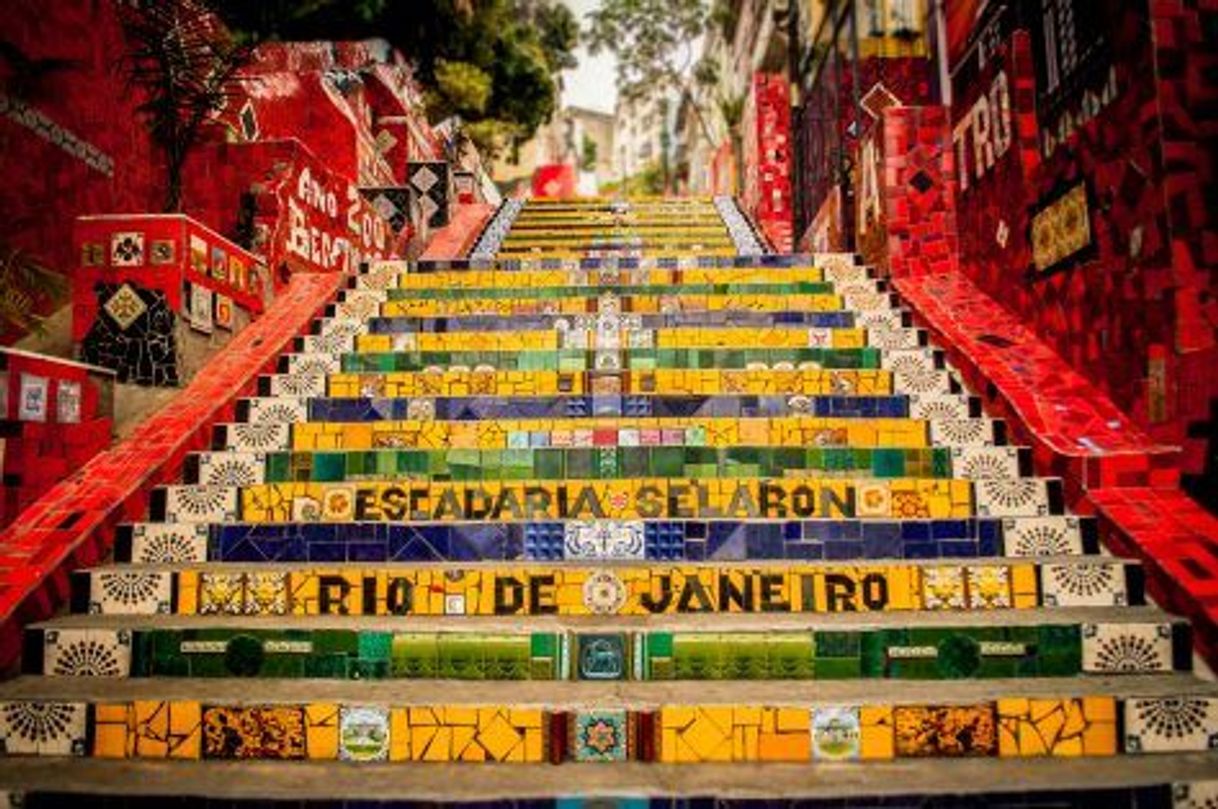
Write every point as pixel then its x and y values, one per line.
pixel 1135 310
pixel 905 194
pixel 824 121
pixel 72 144
pixel 766 132
pixel 54 415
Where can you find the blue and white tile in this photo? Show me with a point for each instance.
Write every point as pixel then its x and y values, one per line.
pixel 604 539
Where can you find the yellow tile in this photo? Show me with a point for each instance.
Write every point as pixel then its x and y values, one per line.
pixel 321 730
pixel 399 735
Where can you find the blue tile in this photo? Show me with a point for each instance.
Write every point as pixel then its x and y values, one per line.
pixel 836 549
pixel 804 551
pixel 921 550
pixel 961 548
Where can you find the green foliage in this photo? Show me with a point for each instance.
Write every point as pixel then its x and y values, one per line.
pixel 587 154
pixel 647 183
pixel 519 45
pixel 461 89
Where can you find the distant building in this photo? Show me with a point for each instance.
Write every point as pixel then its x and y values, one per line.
pixel 562 141
pixel 645 133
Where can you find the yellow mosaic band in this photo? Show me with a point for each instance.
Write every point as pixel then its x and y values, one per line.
pixel 718 432
pixel 642 499
pixel 683 734
pixel 532 279
pixel 638 304
pixel 660 382
pixel 551 339
pixel 570 590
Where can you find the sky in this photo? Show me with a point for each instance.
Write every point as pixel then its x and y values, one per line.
pixel 593 84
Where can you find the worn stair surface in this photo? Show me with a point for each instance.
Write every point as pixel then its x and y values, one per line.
pixel 630 506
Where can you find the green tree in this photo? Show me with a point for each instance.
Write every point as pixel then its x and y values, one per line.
pixel 587 153
pixel 520 45
pixel 653 41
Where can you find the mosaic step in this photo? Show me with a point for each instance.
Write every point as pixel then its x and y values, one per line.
pixel 829 263
pixel 710 432
pixel 606 462
pixel 372 407
pixel 421 276
pixel 403 499
pixel 806 723
pixel 473 588
pixel 885 328
pixel 825 330
pixel 685 540
pixel 1033 643
pixel 778 359
pixel 1182 781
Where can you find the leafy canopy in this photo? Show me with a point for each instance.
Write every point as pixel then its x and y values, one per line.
pixel 493 62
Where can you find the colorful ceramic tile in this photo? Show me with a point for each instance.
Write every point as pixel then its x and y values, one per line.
pixel 33 397
pixel 125 306
pixel 363 734
pixel 127 249
pixel 224 312
pixel 585 539
pixel 67 402
pixel 836 734
pixel 254 732
pixel 1057 727
pixel 956 730
pixel 201 311
pixel 601 735
pixel 199 503
pixel 1042 536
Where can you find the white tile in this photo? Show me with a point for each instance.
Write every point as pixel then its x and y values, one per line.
pixel 1011 497
pixel 981 463
pixel 1195 795
pixel 603 539
pixel 43 728
pixel 278 410
pixel 130 592
pixel 1127 648
pixel 962 432
pixel 1084 584
pixel 73 652
pixel 168 543
pixel 200 503
pixel 298 385
pixel 938 406
pixel 314 363
pixel 259 437
pixel 1171 724
pixel 1058 535
pixel 232 468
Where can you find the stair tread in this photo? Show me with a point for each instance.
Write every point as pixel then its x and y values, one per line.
pixel 319 779
pixel 555 694
pixel 740 622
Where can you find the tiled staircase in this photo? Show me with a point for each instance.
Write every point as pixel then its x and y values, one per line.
pixel 615 514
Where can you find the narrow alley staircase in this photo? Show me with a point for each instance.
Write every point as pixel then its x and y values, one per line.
pixel 614 496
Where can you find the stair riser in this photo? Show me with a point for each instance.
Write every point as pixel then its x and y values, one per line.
pixel 938 653
pixel 572 590
pixel 807 734
pixel 693 541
